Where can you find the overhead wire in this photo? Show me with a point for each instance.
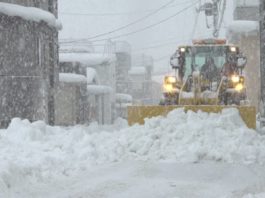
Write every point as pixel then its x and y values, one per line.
pixel 196 21
pixel 139 30
pixel 134 22
pixel 120 13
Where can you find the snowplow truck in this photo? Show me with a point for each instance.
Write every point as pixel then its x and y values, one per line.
pixel 209 76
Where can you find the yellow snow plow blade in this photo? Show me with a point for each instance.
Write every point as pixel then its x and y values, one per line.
pixel 137 114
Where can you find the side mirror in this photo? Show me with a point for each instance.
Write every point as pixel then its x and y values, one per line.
pixel 174 60
pixel 241 61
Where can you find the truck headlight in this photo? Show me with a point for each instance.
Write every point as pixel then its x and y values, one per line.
pixel 233 49
pixel 182 49
pixel 172 79
pixel 168 87
pixel 239 87
pixel 235 79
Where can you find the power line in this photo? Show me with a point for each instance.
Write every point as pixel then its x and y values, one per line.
pixel 120 13
pixel 134 22
pixel 139 30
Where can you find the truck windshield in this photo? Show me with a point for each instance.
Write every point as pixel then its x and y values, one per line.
pixel 198 56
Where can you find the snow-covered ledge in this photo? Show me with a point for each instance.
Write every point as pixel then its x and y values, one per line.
pixel 30 14
pixel 88 59
pixel 72 78
pixel 123 98
pixel 99 89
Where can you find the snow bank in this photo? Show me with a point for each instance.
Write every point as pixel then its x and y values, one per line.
pixel 243 27
pixel 30 13
pixel 72 78
pixel 36 152
pixel 87 59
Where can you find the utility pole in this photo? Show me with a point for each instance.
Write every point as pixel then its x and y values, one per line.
pixel 262 59
pixel 214 9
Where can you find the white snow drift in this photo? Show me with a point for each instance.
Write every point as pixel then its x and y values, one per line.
pixel 35 152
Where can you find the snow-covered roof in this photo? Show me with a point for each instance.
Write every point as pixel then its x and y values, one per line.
pixel 98 89
pixel 123 98
pixel 243 27
pixel 247 3
pixel 88 59
pixel 76 48
pixel 30 14
pixel 137 71
pixel 91 75
pixel 72 78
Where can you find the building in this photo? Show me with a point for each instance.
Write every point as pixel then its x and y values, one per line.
pixel 28 59
pixel 123 54
pixel 101 84
pixel 140 80
pixel 244 32
pixel 262 60
pixel 70 99
pixel 246 10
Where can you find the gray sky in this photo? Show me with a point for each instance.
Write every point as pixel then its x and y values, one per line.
pixel 164 38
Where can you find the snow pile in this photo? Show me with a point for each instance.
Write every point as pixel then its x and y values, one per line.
pixel 243 27
pixel 30 13
pixel 41 153
pixel 72 78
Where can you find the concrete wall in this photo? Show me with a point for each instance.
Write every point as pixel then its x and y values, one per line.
pixel 123 66
pixel 250 47
pixel 28 69
pixel 70 108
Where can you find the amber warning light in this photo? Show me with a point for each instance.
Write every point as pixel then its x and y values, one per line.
pixel 209 42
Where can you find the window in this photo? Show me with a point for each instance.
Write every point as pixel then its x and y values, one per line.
pixel 197 56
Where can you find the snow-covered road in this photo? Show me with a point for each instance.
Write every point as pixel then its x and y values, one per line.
pixel 183 155
pixel 156 180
